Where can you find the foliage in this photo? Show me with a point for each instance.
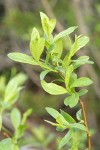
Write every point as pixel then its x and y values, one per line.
pixel 8 96
pixel 64 67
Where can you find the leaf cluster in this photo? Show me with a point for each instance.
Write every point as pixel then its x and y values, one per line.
pixel 65 67
pixel 8 96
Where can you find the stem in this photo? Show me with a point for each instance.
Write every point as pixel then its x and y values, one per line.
pixel 85 123
pixel 48 57
pixel 6 132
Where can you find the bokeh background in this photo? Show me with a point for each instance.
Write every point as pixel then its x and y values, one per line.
pixel 17 18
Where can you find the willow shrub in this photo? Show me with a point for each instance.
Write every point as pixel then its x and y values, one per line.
pixel 64 67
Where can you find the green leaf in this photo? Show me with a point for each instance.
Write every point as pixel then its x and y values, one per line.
pixel 12 91
pixel 47 67
pixel 58 48
pixel 78 64
pixel 25 115
pixel 20 78
pixel 59 120
pixel 82 41
pixel 52 88
pixel 52 24
pixel 55 114
pixel 36 48
pixel 66 139
pixel 83 81
pixel 35 35
pixel 68 75
pixel 82 92
pixel 79 115
pixel 20 57
pixel 72 78
pixel 6 144
pixel 64 33
pixel 67 100
pixel 72 100
pixel 78 126
pixel 20 132
pixel 81 61
pixel 81 58
pixel 67 117
pixel 66 61
pixel 43 74
pixel 48 25
pixel 15 118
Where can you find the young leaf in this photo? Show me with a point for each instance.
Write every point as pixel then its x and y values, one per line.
pixel 66 139
pixel 81 58
pixel 66 61
pixel 20 78
pixel 6 144
pixel 68 75
pixel 72 100
pixel 36 48
pixel 83 81
pixel 67 117
pixel 20 131
pixel 72 78
pixel 15 118
pixel 58 48
pixel 48 25
pixel 54 113
pixel 11 91
pixel 43 74
pixel 82 41
pixel 82 92
pixel 25 115
pixel 35 35
pixel 67 100
pixel 78 126
pixel 59 120
pixel 53 88
pixel 81 61
pixel 20 57
pixel 79 115
pixel 64 33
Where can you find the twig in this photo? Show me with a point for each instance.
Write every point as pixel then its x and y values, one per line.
pixel 6 132
pixel 85 123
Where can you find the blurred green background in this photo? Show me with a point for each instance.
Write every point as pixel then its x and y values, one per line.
pixel 17 18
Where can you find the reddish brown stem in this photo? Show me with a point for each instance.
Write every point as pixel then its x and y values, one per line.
pixel 85 123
